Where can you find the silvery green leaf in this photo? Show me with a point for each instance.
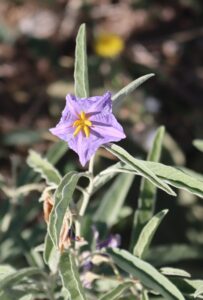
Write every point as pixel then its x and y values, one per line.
pixel 101 179
pixel 144 296
pixel 51 254
pixel 177 178
pixel 146 273
pixel 168 254
pixel 147 234
pixel 198 144
pixel 125 212
pixel 188 286
pixel 44 167
pixel 26 297
pixel 70 276
pixel 34 259
pixel 6 270
pixel 14 278
pixel 147 197
pixel 175 272
pixel 131 87
pixel 117 291
pixel 112 202
pixel 23 190
pixel 53 155
pixel 104 285
pixel 27 290
pixel 199 291
pixel 139 167
pixel 10 294
pixel 62 198
pixel 192 173
pixel 81 68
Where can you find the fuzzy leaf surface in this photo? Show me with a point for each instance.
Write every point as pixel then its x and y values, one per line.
pixel 14 278
pixel 62 198
pixel 198 144
pixel 147 234
pixel 139 167
pixel 146 273
pixel 44 167
pixel 70 277
pixel 117 291
pixel 131 87
pixel 81 68
pixel 147 197
pixel 112 202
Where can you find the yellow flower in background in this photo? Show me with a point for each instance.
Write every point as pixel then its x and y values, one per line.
pixel 108 45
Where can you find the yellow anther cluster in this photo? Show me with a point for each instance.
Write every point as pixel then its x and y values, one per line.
pixel 83 123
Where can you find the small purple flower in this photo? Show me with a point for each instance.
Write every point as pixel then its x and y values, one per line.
pixel 88 123
pixel 113 241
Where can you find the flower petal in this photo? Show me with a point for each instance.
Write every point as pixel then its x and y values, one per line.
pixel 108 127
pixel 101 129
pixel 71 108
pixel 97 104
pixel 63 130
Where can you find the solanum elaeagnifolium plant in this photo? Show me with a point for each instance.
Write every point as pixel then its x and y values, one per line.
pixel 82 260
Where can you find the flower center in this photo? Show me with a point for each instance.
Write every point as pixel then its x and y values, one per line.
pixel 83 123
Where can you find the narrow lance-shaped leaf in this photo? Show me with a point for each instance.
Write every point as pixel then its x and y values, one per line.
pixel 70 276
pixel 62 198
pixel 198 144
pixel 188 286
pixel 101 179
pixel 44 167
pixel 81 69
pixel 53 155
pixel 17 294
pixel 198 292
pixel 27 297
pixel 131 87
pixel 6 270
pixel 51 254
pixel 175 272
pixel 112 202
pixel 147 234
pixel 146 200
pixel 146 273
pixel 139 167
pixel 14 278
pixel 117 291
pixel 179 178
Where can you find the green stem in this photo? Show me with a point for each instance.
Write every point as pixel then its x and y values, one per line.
pixel 85 200
pixel 51 286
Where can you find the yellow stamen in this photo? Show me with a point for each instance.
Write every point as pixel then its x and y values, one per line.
pixel 86 131
pixel 83 123
pixel 76 123
pixel 83 116
pixel 88 122
pixel 77 130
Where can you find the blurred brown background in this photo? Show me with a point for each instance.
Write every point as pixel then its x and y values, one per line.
pixel 37 42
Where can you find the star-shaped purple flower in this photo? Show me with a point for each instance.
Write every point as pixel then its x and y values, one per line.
pixel 88 123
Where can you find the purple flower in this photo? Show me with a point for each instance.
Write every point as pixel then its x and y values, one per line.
pixel 88 123
pixel 113 241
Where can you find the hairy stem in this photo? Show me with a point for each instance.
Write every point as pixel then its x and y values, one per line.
pixel 85 200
